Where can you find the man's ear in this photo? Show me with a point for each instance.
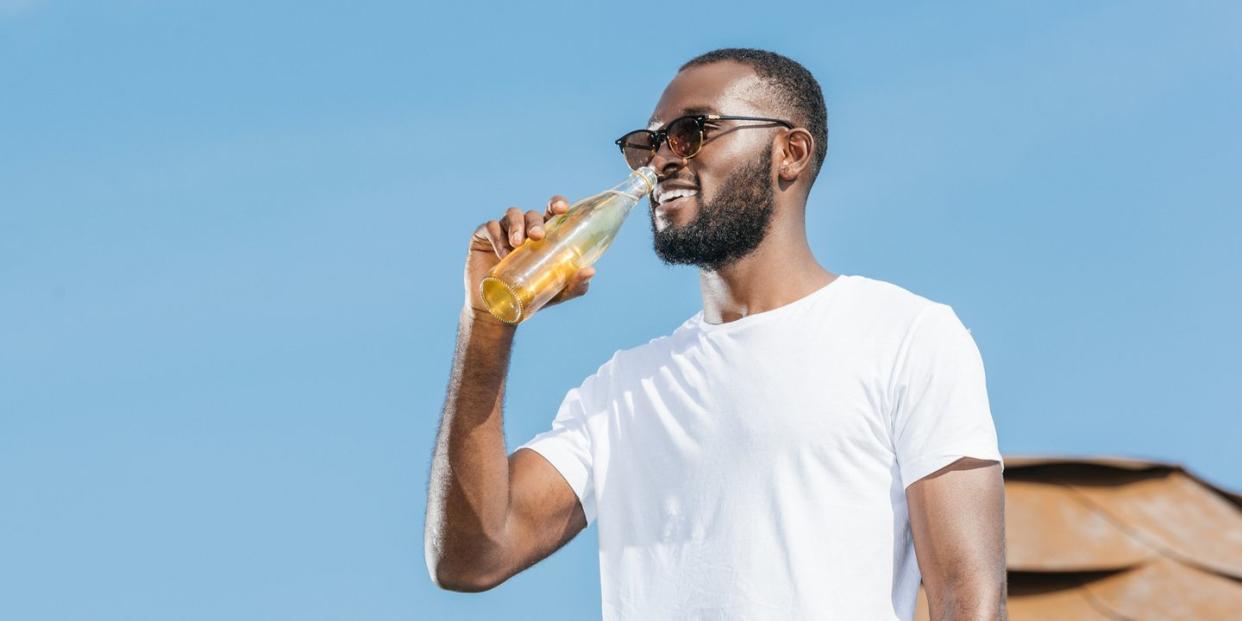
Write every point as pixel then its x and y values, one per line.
pixel 795 151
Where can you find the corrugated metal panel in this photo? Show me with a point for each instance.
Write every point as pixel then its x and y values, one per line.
pixel 1176 515
pixel 1118 538
pixel 1048 528
pixel 1166 589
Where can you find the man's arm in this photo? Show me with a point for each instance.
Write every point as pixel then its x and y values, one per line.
pixel 490 516
pixel 957 517
pixel 468 494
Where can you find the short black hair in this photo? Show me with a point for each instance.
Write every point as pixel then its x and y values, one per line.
pixel 796 89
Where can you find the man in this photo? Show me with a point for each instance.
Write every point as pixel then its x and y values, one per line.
pixel 808 446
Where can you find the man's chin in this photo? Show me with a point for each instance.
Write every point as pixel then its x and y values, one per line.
pixel 664 225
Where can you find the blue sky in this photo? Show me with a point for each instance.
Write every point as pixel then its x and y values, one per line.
pixel 232 234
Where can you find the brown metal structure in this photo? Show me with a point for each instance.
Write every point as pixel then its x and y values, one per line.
pixel 1112 538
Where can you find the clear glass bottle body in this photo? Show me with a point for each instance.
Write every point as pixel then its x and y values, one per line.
pixel 536 271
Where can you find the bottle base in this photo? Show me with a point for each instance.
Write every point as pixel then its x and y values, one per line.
pixel 501 300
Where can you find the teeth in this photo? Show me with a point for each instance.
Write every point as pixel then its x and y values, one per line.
pixel 668 195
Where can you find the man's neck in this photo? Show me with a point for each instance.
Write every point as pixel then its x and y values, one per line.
pixel 780 271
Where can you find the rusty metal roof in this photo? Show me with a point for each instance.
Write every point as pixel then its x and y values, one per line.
pixel 1118 538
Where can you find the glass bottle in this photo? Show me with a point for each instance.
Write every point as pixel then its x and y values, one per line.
pixel 537 270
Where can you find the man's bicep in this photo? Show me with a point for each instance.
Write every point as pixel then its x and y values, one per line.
pixel 941 410
pixel 544 512
pixel 957 519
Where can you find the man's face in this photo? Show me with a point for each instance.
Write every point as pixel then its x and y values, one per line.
pixel 728 215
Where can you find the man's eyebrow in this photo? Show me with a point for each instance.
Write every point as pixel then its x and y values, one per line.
pixel 691 110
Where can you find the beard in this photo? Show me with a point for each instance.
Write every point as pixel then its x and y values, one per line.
pixel 726 229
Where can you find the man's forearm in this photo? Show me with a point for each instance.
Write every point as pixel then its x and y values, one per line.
pixel 468 495
pixel 982 600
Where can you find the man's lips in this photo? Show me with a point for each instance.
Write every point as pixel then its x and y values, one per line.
pixel 673 204
pixel 671 191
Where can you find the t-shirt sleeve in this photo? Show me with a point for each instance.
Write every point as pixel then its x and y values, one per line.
pixel 567 445
pixel 941 410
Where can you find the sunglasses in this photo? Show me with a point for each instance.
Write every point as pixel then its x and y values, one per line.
pixel 683 134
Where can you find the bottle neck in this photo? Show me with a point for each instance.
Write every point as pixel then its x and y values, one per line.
pixel 638 184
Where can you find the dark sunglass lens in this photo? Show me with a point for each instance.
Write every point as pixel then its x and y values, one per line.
pixel 637 147
pixel 684 136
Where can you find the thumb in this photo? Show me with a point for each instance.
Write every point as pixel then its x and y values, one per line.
pixel 582 280
pixel 577 286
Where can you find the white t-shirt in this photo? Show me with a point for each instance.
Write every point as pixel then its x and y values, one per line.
pixel 757 469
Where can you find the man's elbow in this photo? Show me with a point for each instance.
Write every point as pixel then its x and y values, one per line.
pixel 462 577
pixel 462 584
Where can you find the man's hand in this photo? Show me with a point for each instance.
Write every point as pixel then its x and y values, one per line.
pixel 494 239
pixel 957 517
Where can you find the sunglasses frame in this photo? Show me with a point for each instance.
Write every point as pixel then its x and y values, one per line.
pixel 660 136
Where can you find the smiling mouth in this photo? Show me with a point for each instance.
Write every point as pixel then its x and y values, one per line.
pixel 672 198
pixel 673 204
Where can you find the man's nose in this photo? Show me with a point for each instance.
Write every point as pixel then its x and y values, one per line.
pixel 665 162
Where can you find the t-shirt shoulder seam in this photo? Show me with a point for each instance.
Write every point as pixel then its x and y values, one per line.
pixel 899 290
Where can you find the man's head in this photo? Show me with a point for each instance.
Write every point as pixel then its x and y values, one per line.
pixel 745 171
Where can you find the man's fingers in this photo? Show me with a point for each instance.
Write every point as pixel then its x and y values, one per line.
pixel 512 229
pixel 557 205
pixel 534 224
pixel 496 235
pixel 515 225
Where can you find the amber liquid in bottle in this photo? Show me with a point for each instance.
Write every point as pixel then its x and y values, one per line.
pixel 537 271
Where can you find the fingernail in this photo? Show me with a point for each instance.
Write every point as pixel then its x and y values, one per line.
pixel 536 229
